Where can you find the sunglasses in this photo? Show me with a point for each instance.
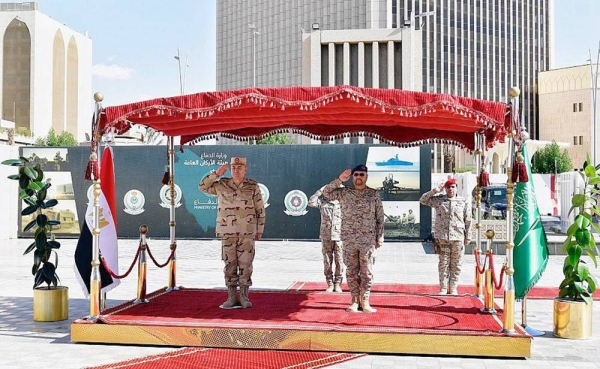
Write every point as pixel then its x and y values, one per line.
pixel 359 174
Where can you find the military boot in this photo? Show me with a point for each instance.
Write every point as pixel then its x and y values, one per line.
pixel 337 288
pixel 232 300
pixel 353 308
pixel 364 304
pixel 329 287
pixel 244 297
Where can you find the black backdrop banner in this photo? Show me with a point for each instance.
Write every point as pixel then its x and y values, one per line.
pixel 288 176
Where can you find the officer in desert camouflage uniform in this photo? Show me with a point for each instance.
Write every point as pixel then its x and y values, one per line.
pixel 240 221
pixel 331 246
pixel 362 232
pixel 452 231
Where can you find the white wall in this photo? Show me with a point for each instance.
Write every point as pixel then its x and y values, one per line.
pixel 10 193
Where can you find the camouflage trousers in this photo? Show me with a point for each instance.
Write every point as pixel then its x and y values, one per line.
pixel 332 255
pixel 238 255
pixel 450 264
pixel 359 259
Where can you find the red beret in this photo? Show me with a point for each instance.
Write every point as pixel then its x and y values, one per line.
pixel 450 182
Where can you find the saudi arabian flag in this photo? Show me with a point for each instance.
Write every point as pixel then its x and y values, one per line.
pixel 531 246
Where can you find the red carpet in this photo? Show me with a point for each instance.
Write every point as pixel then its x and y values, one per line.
pixel 536 293
pixel 305 310
pixel 193 358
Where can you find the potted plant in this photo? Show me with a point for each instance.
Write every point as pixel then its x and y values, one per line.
pixel 50 301
pixel 573 306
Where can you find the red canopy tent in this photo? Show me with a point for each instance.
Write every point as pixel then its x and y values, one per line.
pixel 395 117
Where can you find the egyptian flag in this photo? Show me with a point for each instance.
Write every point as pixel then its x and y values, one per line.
pixel 108 232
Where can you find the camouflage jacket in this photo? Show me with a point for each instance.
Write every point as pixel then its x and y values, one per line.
pixel 241 212
pixel 452 216
pixel 362 212
pixel 331 216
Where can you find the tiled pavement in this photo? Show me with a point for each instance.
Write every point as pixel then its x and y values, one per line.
pixel 27 344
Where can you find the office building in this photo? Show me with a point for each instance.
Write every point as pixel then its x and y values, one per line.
pixel 474 48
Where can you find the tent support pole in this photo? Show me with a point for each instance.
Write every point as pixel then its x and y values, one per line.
pixel 478 155
pixel 173 244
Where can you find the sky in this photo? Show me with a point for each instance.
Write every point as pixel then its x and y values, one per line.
pixel 135 41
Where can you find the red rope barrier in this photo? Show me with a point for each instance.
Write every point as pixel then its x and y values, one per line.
pixel 496 285
pixel 112 274
pixel 166 262
pixel 480 269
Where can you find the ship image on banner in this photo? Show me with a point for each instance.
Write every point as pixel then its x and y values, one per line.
pixel 264 192
pixel 165 196
pixel 295 202
pixel 134 201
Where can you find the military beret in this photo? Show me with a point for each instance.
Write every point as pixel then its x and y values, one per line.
pixel 238 160
pixel 450 182
pixel 360 168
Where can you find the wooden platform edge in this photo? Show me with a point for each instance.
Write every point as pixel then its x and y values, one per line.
pixel 514 346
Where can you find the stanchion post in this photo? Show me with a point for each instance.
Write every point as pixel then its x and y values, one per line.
pixel 488 297
pixel 142 265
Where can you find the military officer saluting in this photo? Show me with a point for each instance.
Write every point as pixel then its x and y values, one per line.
pixel 240 222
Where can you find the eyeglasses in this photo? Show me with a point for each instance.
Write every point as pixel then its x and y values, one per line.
pixel 359 174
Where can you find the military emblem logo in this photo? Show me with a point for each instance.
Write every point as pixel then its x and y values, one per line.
pixel 134 201
pixel 165 196
pixel 264 191
pixel 295 202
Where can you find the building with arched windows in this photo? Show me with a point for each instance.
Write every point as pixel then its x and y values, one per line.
pixel 45 73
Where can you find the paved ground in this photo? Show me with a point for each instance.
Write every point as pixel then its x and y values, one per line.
pixel 27 344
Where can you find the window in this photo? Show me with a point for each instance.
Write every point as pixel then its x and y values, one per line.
pixel 574 140
pixel 580 106
pixel 574 107
pixel 581 140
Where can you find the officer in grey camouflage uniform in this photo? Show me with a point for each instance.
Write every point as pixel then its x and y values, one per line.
pixel 240 222
pixel 452 231
pixel 362 232
pixel 331 223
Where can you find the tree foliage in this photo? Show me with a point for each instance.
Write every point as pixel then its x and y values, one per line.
pixel 550 160
pixel 52 139
pixel 277 139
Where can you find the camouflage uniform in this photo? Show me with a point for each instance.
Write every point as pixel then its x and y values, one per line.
pixel 362 227
pixel 452 230
pixel 331 222
pixel 240 215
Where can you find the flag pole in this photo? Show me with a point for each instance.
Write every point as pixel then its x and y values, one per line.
pixel 95 280
pixel 509 286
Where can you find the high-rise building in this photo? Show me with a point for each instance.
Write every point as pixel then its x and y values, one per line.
pixel 474 48
pixel 46 72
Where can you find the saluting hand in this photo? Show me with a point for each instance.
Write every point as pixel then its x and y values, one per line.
pixel 345 175
pixel 222 169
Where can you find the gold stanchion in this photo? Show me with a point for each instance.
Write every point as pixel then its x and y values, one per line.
pixel 478 283
pixel 488 296
pixel 142 265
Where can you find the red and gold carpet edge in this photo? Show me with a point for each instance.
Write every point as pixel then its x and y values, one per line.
pixel 309 321
pixel 193 357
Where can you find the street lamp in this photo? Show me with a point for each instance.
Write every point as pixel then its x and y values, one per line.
pixel 181 78
pixel 594 75
pixel 255 32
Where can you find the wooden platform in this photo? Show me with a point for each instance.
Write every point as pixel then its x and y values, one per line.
pixel 405 323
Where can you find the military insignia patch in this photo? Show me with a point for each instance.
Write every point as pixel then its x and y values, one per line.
pixel 165 196
pixel 295 202
pixel 264 191
pixel 134 201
